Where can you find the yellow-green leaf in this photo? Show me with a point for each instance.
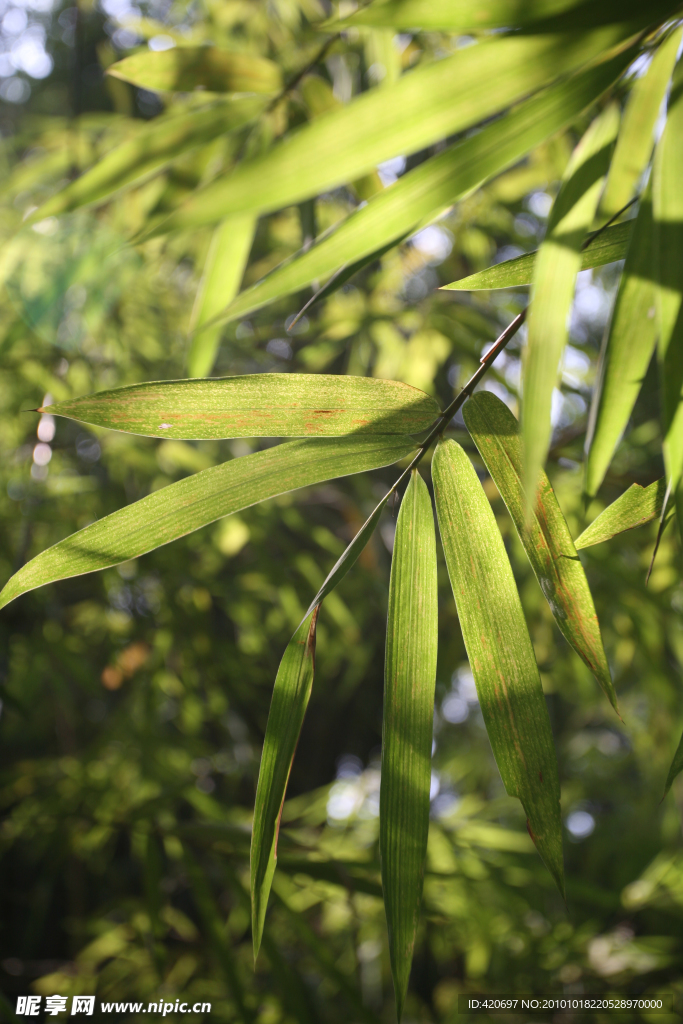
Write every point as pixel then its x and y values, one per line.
pixel 627 350
pixel 288 705
pixel 223 271
pixel 544 535
pixel 499 649
pixel 409 681
pixel 636 506
pixel 609 245
pixel 676 766
pixel 185 68
pixel 557 264
pixel 185 506
pixel 257 405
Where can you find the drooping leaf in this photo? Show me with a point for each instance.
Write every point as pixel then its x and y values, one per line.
pixel 610 245
pixel 408 719
pixel 544 535
pixel 636 506
pixel 189 504
pixel 288 705
pixel 162 141
pixel 185 68
pixel 257 405
pixel 223 270
pixel 676 766
pixel 423 193
pixel 636 136
pixel 667 205
pixel 499 649
pixel 627 350
pixel 426 104
pixel 557 264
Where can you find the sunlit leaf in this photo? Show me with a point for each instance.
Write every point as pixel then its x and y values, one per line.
pixel 557 264
pixel 499 649
pixel 636 506
pixel 428 103
pixel 287 710
pixel 423 193
pixel 191 503
pixel 162 141
pixel 627 350
pixel 258 405
pixel 185 68
pixel 223 271
pixel 409 680
pixel 544 535
pixel 676 767
pixel 667 205
pixel 610 245
pixel 636 136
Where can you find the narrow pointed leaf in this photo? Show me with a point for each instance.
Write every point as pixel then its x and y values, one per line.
pixel 422 194
pixel 499 649
pixel 258 405
pixel 627 350
pixel 610 245
pixel 557 264
pixel 288 705
pixel 676 767
pixel 223 271
pixel 185 68
pixel 544 534
pixel 636 506
pixel 636 136
pixel 409 681
pixel 667 204
pixel 162 141
pixel 185 506
pixel 428 103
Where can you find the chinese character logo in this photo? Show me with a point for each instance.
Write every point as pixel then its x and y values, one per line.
pixel 83 1004
pixel 28 1006
pixel 55 1004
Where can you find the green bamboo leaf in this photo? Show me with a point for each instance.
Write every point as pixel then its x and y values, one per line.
pixel 422 194
pixel 480 15
pixel 191 503
pixel 288 705
pixel 257 405
pixel 223 271
pixel 499 649
pixel 635 507
pixel 676 766
pixel 557 264
pixel 409 681
pixel 426 104
pixel 185 68
pixel 667 204
pixel 161 141
pixel 544 535
pixel 627 350
pixel 636 136
pixel 610 245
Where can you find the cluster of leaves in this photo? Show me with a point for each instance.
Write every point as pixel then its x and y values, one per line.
pixel 211 182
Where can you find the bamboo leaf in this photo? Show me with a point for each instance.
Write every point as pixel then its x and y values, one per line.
pixel 409 681
pixel 635 507
pixel 162 141
pixel 676 767
pixel 557 264
pixel 291 694
pixel 544 535
pixel 428 103
pixel 499 649
pixel 191 503
pixel 185 68
pixel 627 350
pixel 223 271
pixel 636 136
pixel 667 204
pixel 423 193
pixel 610 245
pixel 257 405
